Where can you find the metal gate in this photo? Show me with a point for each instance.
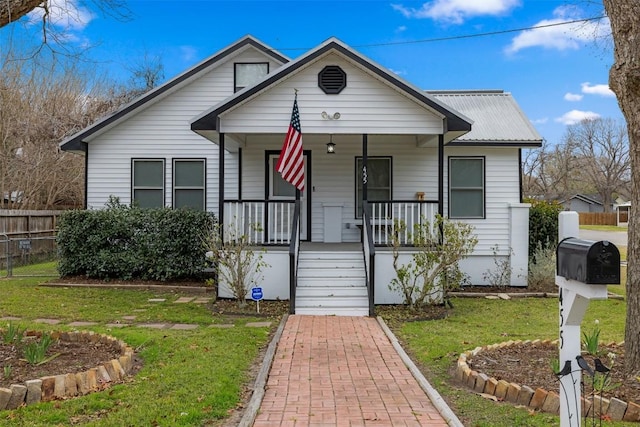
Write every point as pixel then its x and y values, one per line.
pixel 28 256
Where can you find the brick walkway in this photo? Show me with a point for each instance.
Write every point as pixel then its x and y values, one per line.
pixel 341 371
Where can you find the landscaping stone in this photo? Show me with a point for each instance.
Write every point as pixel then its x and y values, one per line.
pixel 113 374
pixel 202 300
pixel 18 393
pixel 92 378
pixel 81 381
pixel 76 324
pixel 600 405
pixel 504 296
pixel 586 406
pixel 525 395
pixel 512 393
pixel 258 324
pixel 471 379
pixel 617 408
pixel 156 299
pixel 47 321
pixel 632 413
pixel 9 318
pixel 34 391
pixel 48 388
pixel 501 389
pixel 222 325
pixel 490 386
pixel 70 385
pixel 120 374
pixel 103 375
pixel 59 388
pixel 481 381
pixel 538 398
pixel 117 325
pixel 153 325
pixel 552 403
pixel 5 395
pixel 184 300
pixel 129 317
pixel 184 326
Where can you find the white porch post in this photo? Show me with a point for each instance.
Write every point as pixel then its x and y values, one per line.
pixel 221 186
pixel 519 242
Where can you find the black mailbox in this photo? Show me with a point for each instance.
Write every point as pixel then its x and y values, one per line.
pixel 587 261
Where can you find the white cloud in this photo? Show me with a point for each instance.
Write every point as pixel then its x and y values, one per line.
pixel 573 97
pixel 188 53
pixel 456 11
pixel 541 121
pixel 601 90
pixel 576 116
pixel 560 37
pixel 401 29
pixel 398 72
pixel 66 15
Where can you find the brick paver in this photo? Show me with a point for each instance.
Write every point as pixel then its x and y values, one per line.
pixel 341 371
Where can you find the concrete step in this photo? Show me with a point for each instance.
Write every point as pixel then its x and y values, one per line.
pixel 331 273
pixel 333 311
pixel 330 292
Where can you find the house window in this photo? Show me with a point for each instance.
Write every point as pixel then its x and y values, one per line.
pixel 246 74
pixel 148 182
pixel 466 187
pixel 378 180
pixel 189 183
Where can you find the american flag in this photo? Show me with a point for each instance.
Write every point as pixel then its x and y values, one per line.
pixel 291 161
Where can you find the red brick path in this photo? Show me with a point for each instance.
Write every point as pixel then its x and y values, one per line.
pixel 341 371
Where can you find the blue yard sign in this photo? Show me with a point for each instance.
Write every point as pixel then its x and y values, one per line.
pixel 256 294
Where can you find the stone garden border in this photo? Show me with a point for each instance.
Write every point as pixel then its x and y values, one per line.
pixel 540 399
pixel 69 385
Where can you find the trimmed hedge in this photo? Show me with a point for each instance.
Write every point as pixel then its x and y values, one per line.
pixel 126 243
pixel 543 224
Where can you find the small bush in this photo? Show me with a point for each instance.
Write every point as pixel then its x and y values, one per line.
pixel 542 268
pixel 543 224
pixel 124 243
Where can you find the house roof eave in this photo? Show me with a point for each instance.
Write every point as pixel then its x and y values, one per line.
pixel 455 121
pixel 74 142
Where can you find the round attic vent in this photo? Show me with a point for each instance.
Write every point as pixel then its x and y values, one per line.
pixel 332 79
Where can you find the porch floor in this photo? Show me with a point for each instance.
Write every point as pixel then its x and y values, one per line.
pixel 342 371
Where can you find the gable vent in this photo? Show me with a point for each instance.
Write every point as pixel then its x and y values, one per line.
pixel 332 79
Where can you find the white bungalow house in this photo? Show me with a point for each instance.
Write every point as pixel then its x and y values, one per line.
pixel 210 137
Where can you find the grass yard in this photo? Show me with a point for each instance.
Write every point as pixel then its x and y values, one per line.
pixel 435 345
pixel 603 227
pixel 189 378
pixel 196 377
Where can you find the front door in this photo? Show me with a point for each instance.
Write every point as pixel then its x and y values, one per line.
pixel 279 189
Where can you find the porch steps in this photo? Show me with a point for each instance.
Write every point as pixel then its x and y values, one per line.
pixel 332 283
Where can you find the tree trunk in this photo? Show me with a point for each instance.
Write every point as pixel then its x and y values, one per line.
pixel 12 10
pixel 624 80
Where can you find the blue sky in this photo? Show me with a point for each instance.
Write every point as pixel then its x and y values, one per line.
pixel 557 74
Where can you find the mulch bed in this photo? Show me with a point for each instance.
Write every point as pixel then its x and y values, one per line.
pixel 530 365
pixel 72 357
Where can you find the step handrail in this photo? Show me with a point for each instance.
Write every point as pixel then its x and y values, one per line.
pixel 294 255
pixel 369 252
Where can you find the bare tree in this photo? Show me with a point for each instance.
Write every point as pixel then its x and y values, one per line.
pixel 624 80
pixel 13 10
pixel 549 172
pixel 601 149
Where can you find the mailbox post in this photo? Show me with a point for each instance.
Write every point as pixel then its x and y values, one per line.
pixel 583 271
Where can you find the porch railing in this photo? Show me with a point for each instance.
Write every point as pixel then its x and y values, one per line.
pixel 294 252
pixel 369 251
pixel 385 214
pixel 264 222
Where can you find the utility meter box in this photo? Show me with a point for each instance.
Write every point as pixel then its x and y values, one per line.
pixel 587 261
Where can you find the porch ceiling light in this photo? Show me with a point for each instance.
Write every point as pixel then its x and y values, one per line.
pixel 331 147
pixel 327 116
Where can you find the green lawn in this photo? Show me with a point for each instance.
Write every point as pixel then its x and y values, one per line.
pixel 603 228
pixel 196 377
pixel 435 345
pixel 189 377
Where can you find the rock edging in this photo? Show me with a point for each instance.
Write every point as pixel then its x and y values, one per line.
pixel 69 385
pixel 539 399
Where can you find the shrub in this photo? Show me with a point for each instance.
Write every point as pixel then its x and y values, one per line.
pixel 122 242
pixel 543 224
pixel 542 268
pixel 434 269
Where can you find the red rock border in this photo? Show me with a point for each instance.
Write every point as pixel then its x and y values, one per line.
pixel 65 386
pixel 540 399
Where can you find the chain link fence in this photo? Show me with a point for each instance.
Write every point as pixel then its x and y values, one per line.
pixel 28 256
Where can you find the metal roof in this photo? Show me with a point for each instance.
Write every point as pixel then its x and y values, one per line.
pixel 497 118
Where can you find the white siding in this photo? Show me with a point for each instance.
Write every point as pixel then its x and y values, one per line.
pixel 366 105
pixel 502 188
pixel 162 130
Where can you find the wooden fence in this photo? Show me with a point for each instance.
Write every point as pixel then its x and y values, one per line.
pixel 598 218
pixel 22 223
